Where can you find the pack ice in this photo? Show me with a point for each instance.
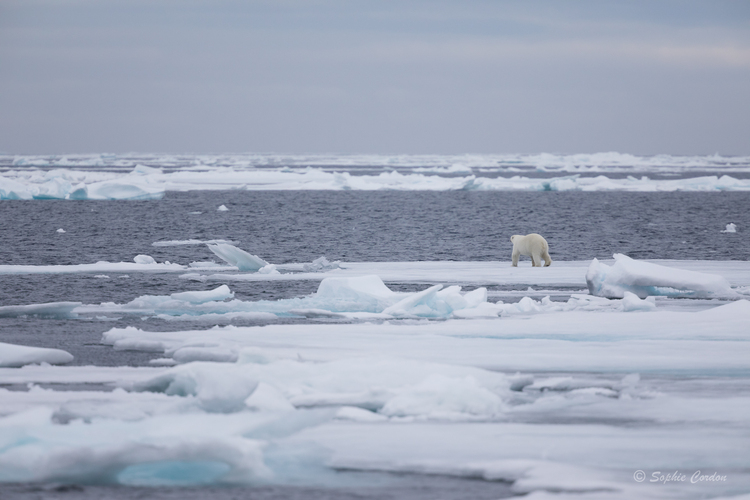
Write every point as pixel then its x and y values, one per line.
pixel 560 399
pixel 126 179
pixel 63 184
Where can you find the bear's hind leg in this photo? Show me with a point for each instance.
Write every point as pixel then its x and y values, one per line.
pixel 547 260
pixel 536 261
pixel 515 258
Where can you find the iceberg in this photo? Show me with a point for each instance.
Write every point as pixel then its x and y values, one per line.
pixel 645 279
pixel 13 356
pixel 237 257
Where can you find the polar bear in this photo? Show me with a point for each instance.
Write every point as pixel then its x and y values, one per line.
pixel 532 245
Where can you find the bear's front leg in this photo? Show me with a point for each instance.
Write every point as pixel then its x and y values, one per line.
pixel 515 258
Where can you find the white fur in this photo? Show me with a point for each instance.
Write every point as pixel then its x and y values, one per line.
pixel 532 245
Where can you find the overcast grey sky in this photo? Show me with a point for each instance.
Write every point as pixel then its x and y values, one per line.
pixel 641 77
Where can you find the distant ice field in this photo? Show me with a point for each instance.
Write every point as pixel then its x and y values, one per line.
pixel 142 177
pixel 216 354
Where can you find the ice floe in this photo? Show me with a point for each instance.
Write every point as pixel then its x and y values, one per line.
pixel 644 279
pixel 12 355
pixel 731 228
pixel 174 243
pixel 48 310
pixel 441 380
pixel 579 340
pixel 59 184
pixel 355 297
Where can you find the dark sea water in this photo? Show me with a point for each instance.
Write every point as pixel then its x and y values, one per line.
pixel 299 226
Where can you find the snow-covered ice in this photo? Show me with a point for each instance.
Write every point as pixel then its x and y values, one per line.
pixel 731 228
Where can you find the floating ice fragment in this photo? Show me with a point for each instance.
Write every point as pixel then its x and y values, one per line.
pixel 222 208
pixel 418 301
pixel 268 269
pixel 220 293
pixel 174 243
pixel 644 279
pixel 14 356
pixel 47 310
pixel 321 264
pixel 144 259
pixel 731 228
pixel 61 230
pixel 237 257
